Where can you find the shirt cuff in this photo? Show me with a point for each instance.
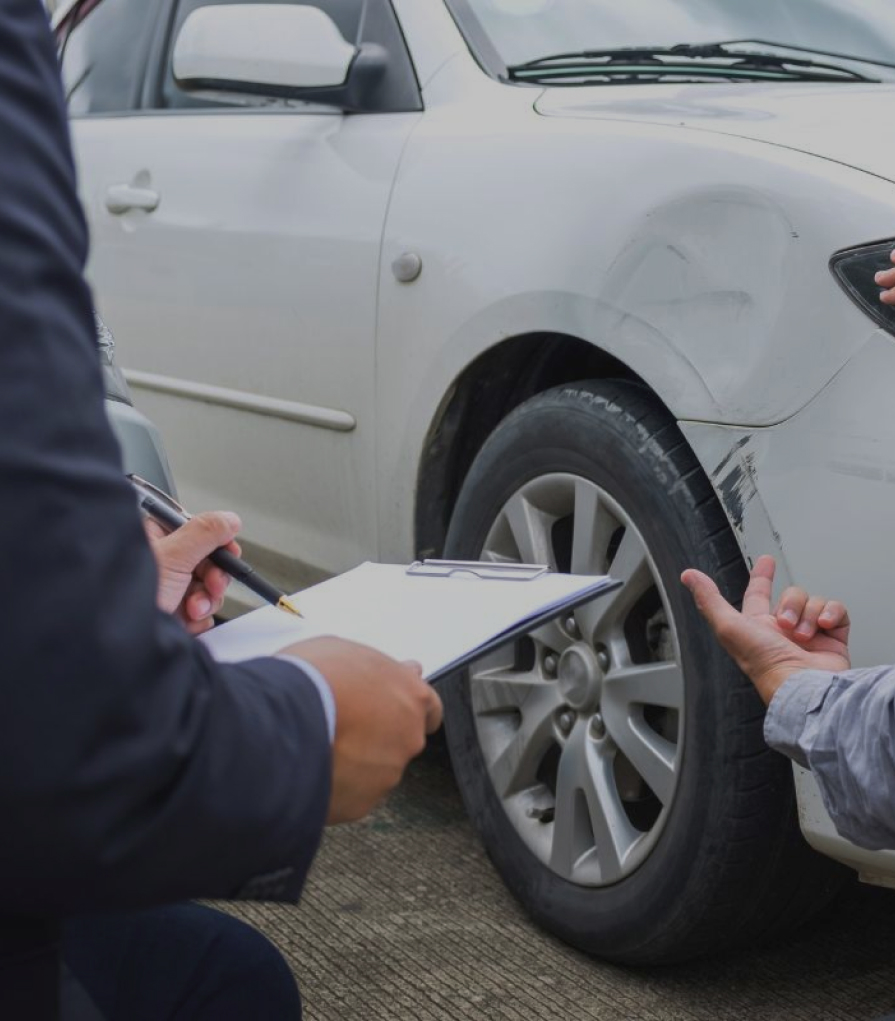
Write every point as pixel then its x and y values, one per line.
pixel 794 701
pixel 323 689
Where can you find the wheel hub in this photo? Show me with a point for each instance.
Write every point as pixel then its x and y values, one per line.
pixel 580 678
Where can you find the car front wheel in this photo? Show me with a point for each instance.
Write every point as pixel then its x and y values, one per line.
pixel 613 761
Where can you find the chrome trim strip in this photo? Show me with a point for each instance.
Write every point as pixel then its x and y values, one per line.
pixel 273 407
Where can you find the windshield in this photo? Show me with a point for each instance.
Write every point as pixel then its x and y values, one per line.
pixel 524 30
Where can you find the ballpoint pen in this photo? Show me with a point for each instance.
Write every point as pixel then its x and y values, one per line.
pixel 165 510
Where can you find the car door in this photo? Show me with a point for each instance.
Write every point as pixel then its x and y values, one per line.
pixel 235 255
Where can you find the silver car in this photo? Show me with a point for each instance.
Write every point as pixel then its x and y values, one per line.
pixel 576 282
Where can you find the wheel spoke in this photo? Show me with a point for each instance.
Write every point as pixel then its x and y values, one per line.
pixel 650 754
pixel 552 636
pixel 593 617
pixel 571 833
pixel 592 530
pixel 531 531
pixel 515 766
pixel 589 814
pixel 613 833
pixel 660 684
pixel 630 565
pixel 503 690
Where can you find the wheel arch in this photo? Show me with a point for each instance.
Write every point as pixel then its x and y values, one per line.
pixel 485 392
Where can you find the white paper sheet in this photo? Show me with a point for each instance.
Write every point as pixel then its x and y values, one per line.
pixel 434 620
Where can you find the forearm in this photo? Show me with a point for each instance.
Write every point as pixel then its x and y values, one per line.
pixel 842 728
pixel 224 786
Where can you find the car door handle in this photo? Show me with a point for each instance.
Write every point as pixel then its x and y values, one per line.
pixel 121 198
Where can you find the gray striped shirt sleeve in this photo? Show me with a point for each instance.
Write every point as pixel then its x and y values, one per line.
pixel 842 727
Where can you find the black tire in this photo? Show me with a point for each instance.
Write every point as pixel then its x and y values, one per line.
pixel 723 860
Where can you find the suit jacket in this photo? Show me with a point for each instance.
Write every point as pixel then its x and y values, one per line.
pixel 133 769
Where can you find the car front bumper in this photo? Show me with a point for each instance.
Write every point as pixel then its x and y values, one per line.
pixel 141 445
pixel 817 491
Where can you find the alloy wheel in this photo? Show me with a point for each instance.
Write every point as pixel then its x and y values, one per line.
pixel 581 723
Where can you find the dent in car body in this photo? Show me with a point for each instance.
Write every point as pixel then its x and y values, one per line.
pixel 690 272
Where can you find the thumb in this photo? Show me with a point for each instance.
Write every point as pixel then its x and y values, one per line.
pixel 190 544
pixel 720 615
pixel 434 710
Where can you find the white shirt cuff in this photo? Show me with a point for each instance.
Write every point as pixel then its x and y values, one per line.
pixel 326 695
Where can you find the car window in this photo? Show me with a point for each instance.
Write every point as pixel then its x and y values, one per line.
pixel 345 13
pixel 103 55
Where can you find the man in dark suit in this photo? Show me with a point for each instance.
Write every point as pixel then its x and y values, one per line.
pixel 134 771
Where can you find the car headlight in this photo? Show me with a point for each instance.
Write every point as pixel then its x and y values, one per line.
pixel 113 378
pixel 855 269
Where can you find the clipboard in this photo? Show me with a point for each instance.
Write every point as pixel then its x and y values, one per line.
pixel 484 569
pixel 444 614
pixel 501 572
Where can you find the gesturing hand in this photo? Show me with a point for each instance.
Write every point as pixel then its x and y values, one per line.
pixel 189 585
pixel 886 278
pixel 803 633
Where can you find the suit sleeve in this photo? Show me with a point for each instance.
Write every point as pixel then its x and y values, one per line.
pixel 133 769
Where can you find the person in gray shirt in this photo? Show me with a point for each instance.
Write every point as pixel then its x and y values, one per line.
pixel 835 721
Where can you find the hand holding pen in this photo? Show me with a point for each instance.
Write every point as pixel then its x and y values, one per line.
pixel 189 586
pixel 217 531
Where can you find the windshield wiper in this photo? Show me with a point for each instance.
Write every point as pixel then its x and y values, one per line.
pixel 711 60
pixel 804 49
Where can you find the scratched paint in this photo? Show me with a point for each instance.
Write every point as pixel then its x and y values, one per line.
pixel 734 480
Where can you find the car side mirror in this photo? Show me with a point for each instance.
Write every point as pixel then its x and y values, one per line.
pixel 280 50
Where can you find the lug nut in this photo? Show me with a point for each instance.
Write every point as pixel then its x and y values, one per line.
pixel 572 626
pixel 551 663
pixel 603 659
pixel 544 815
pixel 597 726
pixel 566 722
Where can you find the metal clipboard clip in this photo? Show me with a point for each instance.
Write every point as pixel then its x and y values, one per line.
pixel 478 569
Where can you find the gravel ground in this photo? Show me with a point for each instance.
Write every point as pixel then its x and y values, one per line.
pixel 404 918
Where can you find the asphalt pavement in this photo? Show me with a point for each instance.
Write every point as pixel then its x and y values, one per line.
pixel 404 918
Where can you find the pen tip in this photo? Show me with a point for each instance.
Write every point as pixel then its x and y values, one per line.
pixel 288 606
